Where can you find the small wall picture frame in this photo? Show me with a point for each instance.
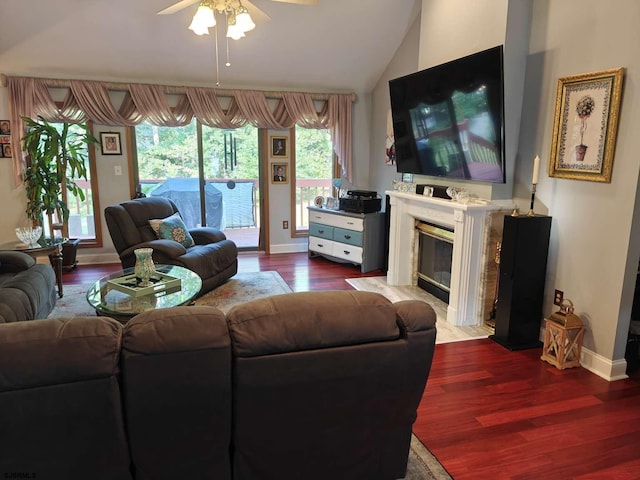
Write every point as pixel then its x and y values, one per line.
pixel 279 147
pixel 110 143
pixel 279 173
pixel 6 150
pixel 5 127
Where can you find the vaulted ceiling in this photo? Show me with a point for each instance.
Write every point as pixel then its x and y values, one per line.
pixel 337 45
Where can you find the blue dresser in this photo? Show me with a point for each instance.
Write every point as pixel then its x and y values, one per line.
pixel 347 237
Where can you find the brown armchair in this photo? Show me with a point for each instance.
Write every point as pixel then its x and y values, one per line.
pixel 213 257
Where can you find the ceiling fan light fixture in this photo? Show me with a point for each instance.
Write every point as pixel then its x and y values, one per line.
pixel 198 29
pixel 234 31
pixel 244 20
pixel 202 20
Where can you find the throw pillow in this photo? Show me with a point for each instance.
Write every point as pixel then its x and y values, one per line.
pixel 172 228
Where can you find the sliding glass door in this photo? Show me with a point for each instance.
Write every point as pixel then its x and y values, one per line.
pixel 212 175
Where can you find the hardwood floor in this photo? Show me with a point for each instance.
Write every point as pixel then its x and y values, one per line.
pixel 297 269
pixel 487 412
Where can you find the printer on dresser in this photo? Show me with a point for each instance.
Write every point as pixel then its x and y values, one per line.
pixel 347 237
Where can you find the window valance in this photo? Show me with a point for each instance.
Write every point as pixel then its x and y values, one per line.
pixel 218 108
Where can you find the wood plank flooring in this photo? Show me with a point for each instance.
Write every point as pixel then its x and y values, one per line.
pixel 487 412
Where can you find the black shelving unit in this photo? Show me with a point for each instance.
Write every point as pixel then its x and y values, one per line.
pixel 523 268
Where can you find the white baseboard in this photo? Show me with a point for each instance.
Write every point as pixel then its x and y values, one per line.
pixel 289 248
pixel 97 259
pixel 610 370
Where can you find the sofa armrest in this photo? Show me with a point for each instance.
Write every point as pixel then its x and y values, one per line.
pixel 14 262
pixel 417 322
pixel 415 316
pixel 168 248
pixel 204 235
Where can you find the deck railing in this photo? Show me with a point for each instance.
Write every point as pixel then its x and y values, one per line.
pixel 306 191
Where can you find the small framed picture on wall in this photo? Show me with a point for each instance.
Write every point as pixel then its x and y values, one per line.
pixel 6 150
pixel 279 173
pixel 279 147
pixel 110 142
pixel 5 127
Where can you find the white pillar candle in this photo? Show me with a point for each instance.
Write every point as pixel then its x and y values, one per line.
pixel 536 170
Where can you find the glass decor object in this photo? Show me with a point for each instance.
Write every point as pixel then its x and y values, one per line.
pixel 29 235
pixel 144 266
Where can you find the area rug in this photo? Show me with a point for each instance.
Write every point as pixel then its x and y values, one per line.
pixel 446 332
pixel 243 287
pixel 238 289
pixel 423 465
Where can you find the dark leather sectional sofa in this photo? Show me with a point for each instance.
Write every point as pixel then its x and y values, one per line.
pixel 27 289
pixel 315 385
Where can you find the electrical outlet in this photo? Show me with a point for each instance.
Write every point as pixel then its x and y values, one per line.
pixel 285 225
pixel 558 297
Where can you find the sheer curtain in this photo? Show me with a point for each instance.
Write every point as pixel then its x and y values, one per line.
pixel 92 100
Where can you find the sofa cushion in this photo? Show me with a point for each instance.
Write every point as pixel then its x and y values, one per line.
pixel 60 394
pixel 310 320
pixel 172 228
pixel 68 350
pixel 176 366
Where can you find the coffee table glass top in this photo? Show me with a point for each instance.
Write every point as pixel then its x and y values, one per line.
pixel 110 302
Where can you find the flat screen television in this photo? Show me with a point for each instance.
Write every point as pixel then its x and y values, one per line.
pixel 448 120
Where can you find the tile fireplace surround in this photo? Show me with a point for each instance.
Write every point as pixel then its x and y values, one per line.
pixel 470 224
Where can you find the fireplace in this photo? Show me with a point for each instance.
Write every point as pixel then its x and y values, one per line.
pixel 435 251
pixel 470 250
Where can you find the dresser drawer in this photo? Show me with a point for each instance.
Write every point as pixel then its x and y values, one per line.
pixel 351 237
pixel 347 252
pixel 320 230
pixel 336 220
pixel 321 245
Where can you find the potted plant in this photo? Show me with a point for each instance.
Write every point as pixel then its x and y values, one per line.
pixel 56 155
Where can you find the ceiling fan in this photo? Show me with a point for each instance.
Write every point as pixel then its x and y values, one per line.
pixel 222 5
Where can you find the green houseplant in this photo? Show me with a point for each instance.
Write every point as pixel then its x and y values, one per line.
pixel 56 155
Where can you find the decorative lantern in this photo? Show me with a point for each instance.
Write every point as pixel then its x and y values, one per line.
pixel 563 338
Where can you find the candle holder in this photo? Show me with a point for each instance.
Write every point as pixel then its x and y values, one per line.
pixel 531 213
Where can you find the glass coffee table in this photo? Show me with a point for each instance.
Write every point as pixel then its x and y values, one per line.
pixel 114 303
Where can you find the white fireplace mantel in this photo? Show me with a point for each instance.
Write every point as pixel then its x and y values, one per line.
pixel 470 226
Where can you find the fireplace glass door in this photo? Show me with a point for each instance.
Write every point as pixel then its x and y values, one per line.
pixel 435 251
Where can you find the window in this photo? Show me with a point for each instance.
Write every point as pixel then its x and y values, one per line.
pixel 83 223
pixel 313 167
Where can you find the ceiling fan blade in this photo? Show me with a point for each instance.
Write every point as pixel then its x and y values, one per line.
pixel 257 15
pixel 176 7
pixel 299 2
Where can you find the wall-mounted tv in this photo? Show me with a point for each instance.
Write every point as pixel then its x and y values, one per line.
pixel 448 120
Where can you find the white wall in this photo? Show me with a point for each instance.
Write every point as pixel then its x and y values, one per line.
pixel 404 62
pixel 595 238
pixel 593 256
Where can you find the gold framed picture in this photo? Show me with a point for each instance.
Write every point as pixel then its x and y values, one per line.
pixel 279 173
pixel 279 147
pixel 585 125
